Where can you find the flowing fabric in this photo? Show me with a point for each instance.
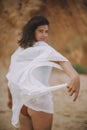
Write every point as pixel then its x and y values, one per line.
pixel 29 73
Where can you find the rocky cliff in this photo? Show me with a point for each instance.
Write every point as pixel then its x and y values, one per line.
pixel 68 25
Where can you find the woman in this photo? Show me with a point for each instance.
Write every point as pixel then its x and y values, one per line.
pixel 28 76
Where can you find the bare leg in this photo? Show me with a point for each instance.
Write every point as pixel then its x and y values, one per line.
pixel 9 104
pixel 25 120
pixel 41 120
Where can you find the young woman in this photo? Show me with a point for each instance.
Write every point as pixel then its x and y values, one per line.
pixel 28 76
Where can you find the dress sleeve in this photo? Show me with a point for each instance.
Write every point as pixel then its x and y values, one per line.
pixel 55 55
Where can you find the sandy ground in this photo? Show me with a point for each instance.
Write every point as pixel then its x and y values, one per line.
pixel 68 115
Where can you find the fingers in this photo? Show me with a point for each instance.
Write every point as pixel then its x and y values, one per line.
pixel 72 91
pixel 69 89
pixel 76 96
pixel 74 87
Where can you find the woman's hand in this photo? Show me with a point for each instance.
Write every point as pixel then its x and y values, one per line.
pixel 74 86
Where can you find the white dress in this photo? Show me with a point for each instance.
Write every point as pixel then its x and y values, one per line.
pixel 28 78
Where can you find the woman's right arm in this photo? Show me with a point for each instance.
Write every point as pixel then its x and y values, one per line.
pixel 74 84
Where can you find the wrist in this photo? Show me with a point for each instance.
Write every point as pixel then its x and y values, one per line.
pixel 75 76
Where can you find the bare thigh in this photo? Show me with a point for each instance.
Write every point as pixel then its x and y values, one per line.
pixel 41 120
pixel 25 120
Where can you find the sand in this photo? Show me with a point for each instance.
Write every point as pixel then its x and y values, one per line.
pixel 68 115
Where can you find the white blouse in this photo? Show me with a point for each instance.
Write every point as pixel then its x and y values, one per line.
pixel 28 78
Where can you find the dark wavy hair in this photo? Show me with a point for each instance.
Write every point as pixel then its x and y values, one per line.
pixel 29 30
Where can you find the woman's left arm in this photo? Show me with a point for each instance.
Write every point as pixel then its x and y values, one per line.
pixel 74 84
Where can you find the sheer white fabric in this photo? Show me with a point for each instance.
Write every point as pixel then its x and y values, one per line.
pixel 28 78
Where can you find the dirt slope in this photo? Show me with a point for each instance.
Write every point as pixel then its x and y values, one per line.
pixel 68 25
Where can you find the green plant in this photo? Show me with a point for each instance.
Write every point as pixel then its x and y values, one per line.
pixel 80 68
